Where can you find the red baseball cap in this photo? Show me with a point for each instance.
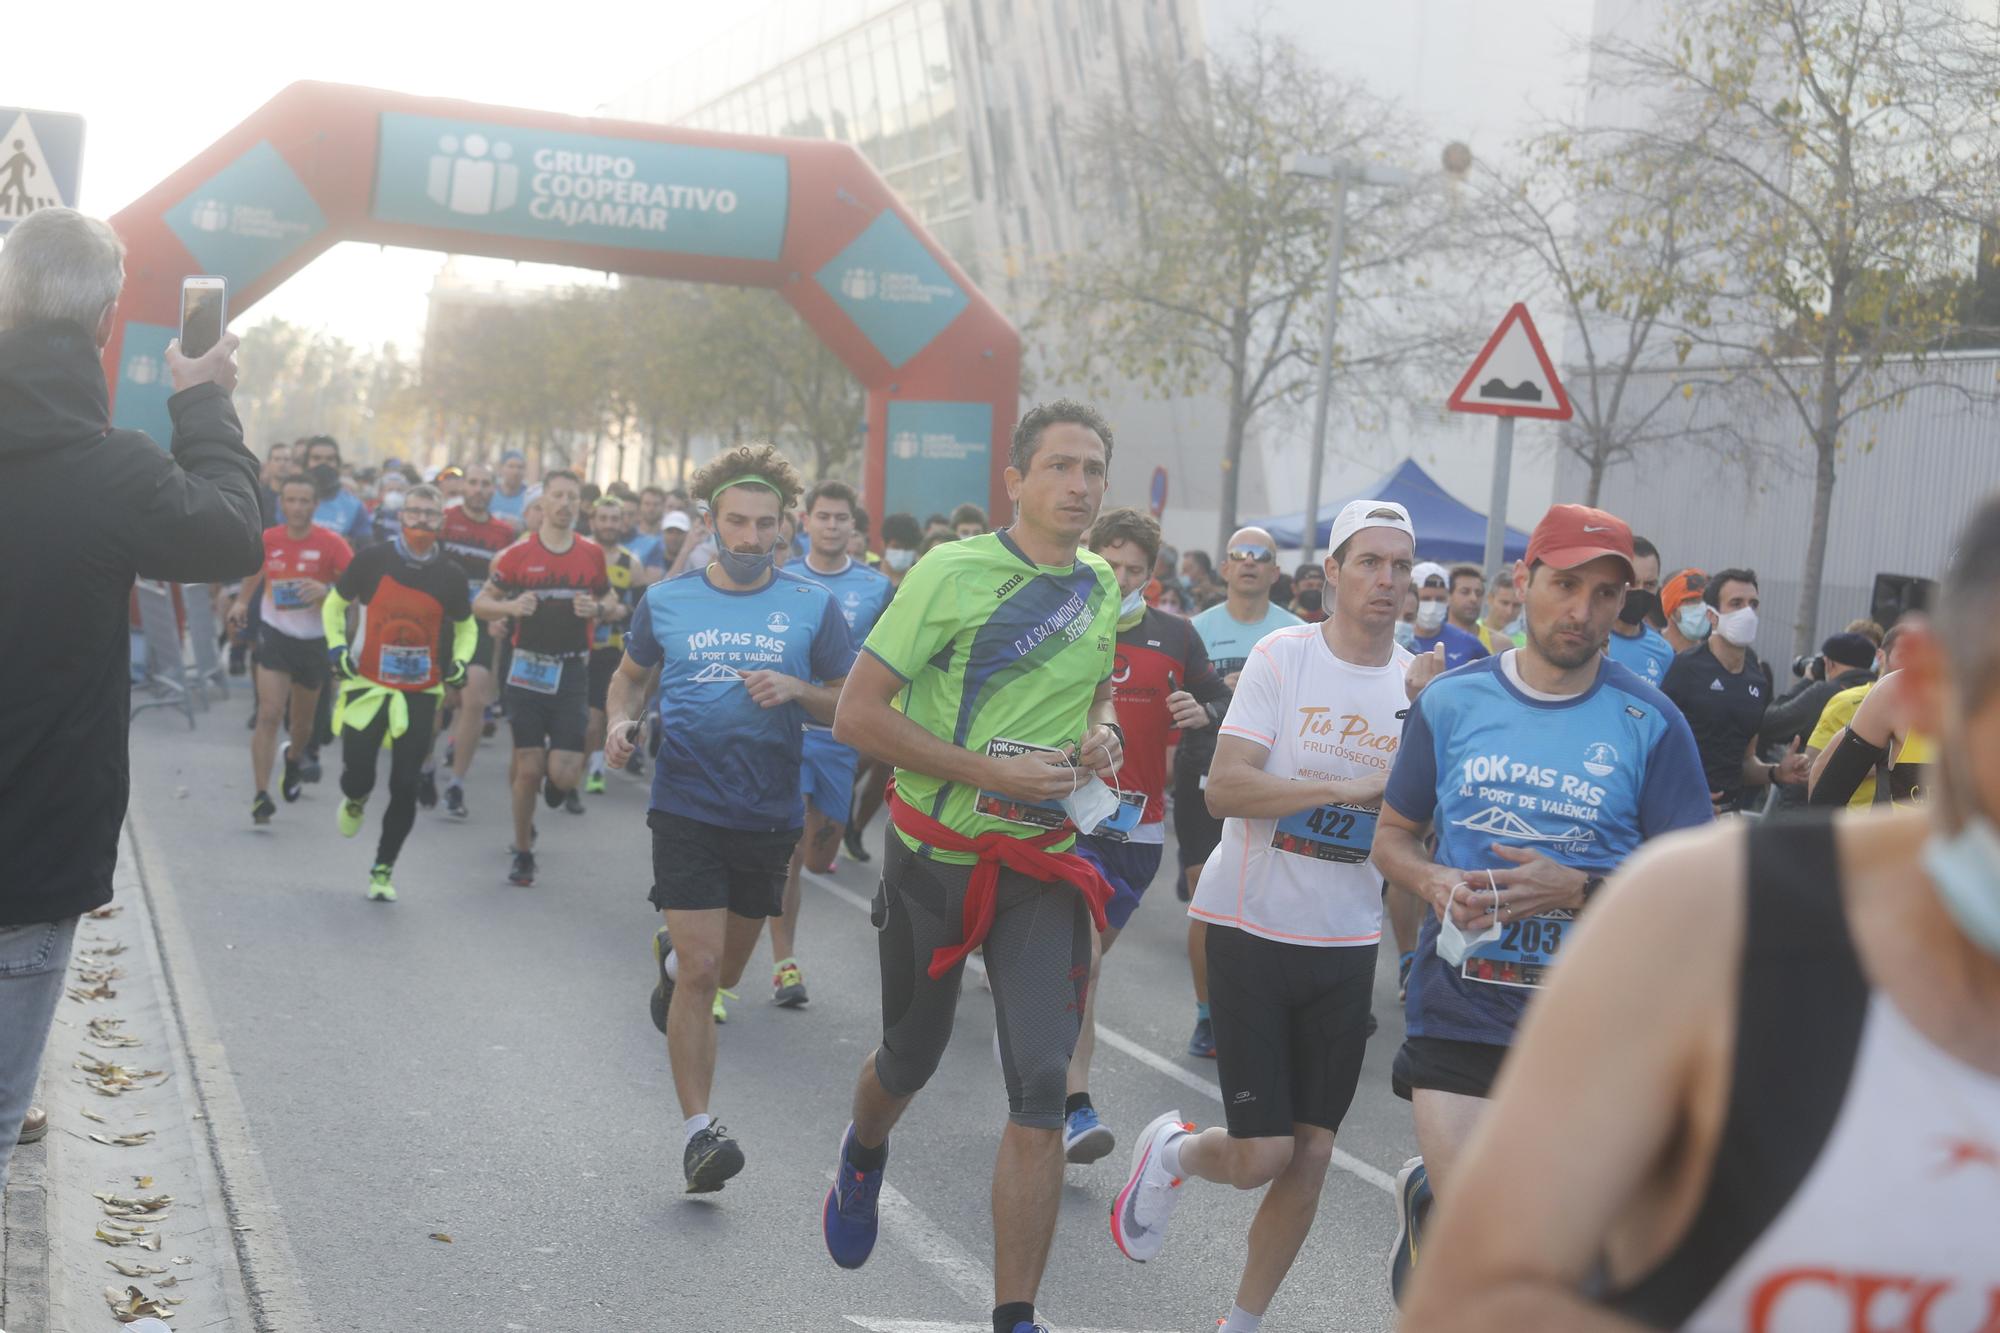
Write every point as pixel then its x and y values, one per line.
pixel 1572 535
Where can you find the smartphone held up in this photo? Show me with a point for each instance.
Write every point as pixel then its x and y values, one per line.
pixel 203 314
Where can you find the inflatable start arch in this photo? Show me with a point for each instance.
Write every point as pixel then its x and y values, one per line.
pixel 810 219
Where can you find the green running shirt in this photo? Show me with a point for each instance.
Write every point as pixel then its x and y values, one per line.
pixel 994 646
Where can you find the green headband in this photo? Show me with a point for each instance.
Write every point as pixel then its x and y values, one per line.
pixel 749 479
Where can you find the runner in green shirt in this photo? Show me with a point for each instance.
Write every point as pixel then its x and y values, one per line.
pixel 987 683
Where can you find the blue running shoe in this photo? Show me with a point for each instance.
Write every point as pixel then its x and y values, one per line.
pixel 1202 1044
pixel 1085 1139
pixel 1413 1206
pixel 849 1216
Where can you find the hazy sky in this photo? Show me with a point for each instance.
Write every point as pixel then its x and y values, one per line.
pixel 159 82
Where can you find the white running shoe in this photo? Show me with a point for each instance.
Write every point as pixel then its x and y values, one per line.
pixel 1144 1207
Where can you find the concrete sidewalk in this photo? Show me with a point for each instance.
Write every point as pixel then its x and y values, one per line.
pixel 132 1193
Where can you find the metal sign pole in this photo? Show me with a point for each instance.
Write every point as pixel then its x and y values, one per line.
pixel 1496 509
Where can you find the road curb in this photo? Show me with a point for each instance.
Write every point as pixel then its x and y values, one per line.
pixel 260 1259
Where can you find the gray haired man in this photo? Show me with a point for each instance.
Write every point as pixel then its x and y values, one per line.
pixel 189 516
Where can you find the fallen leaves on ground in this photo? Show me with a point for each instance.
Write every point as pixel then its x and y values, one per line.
pixel 439 1235
pixel 143 1137
pixel 131 1305
pixel 111 1079
pixel 106 912
pixel 143 1182
pixel 92 1116
pixel 101 991
pixel 136 1270
pixel 147 1205
pixel 105 1032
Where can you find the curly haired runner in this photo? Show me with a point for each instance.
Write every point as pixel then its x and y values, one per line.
pixel 737 646
pixel 1000 648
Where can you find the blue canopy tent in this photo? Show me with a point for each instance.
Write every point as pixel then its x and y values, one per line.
pixel 1447 531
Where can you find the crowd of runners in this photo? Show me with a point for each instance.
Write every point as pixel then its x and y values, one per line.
pixel 1467 755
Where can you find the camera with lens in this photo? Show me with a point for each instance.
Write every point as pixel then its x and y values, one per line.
pixel 1809 664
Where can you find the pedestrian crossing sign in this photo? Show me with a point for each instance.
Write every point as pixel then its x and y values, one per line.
pixel 41 162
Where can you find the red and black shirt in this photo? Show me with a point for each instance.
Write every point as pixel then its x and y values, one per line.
pixel 1155 658
pixel 556 578
pixel 407 611
pixel 474 542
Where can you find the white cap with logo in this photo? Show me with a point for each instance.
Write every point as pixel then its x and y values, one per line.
pixel 675 520
pixel 1427 570
pixel 1359 514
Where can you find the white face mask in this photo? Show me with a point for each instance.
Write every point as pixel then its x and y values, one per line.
pixel 1134 600
pixel 1430 615
pixel 1453 944
pixel 1739 626
pixel 1090 804
pixel 899 558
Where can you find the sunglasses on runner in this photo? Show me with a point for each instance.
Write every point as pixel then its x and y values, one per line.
pixel 1263 555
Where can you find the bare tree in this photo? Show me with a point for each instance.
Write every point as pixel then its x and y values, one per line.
pixel 1846 154
pixel 1207 263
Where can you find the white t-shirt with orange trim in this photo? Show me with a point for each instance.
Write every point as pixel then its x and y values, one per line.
pixel 1306 879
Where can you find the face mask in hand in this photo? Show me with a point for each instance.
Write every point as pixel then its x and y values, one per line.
pixel 1430 615
pixel 1453 944
pixel 1090 802
pixel 1739 626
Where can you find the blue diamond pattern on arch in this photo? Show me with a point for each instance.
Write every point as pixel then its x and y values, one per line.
pixel 892 289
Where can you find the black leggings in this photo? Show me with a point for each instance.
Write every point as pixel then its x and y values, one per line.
pixel 360 747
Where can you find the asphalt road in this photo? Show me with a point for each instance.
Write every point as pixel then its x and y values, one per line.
pixel 476 1061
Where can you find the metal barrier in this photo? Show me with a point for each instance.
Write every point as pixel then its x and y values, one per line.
pixel 174 676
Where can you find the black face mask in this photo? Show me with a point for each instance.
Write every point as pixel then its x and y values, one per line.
pixel 326 480
pixel 1639 607
pixel 1306 599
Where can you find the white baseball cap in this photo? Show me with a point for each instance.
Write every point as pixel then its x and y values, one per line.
pixel 1359 514
pixel 675 520
pixel 1427 570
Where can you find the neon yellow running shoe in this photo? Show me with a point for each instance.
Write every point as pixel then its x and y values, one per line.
pixel 721 1014
pixel 380 890
pixel 350 813
pixel 594 785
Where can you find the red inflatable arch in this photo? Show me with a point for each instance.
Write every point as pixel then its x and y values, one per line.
pixel 322 163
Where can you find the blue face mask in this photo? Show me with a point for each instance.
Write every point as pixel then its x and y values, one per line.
pixel 742 566
pixel 1965 866
pixel 1134 601
pixel 1692 621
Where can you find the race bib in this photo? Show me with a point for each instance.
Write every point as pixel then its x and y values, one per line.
pixel 1118 828
pixel 402 665
pixel 1342 833
pixel 288 595
pixel 540 672
pixel 1523 954
pixel 1035 814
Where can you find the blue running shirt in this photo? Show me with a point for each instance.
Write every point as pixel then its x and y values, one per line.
pixel 1646 654
pixel 1582 780
pixel 724 759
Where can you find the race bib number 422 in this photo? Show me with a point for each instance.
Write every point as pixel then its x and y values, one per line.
pixel 1342 833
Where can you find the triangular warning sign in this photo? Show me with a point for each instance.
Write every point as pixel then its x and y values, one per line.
pixel 1512 375
pixel 26 183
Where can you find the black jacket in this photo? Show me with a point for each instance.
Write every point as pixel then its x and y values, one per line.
pixel 83 508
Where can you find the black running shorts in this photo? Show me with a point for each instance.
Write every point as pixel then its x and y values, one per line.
pixel 304 660
pixel 1291 1026
pixel 699 866
pixel 1467 1068
pixel 552 721
pixel 484 649
pixel 1196 830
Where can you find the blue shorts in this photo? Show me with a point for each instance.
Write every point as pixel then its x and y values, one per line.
pixel 1128 867
pixel 826 774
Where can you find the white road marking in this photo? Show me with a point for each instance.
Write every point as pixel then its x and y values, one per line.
pixel 908 1226
pixel 933 1326
pixel 1345 1161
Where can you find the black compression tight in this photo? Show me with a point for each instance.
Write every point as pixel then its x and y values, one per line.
pixel 361 748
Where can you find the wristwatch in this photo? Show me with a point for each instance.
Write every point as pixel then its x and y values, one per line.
pixel 1591 885
pixel 1113 726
